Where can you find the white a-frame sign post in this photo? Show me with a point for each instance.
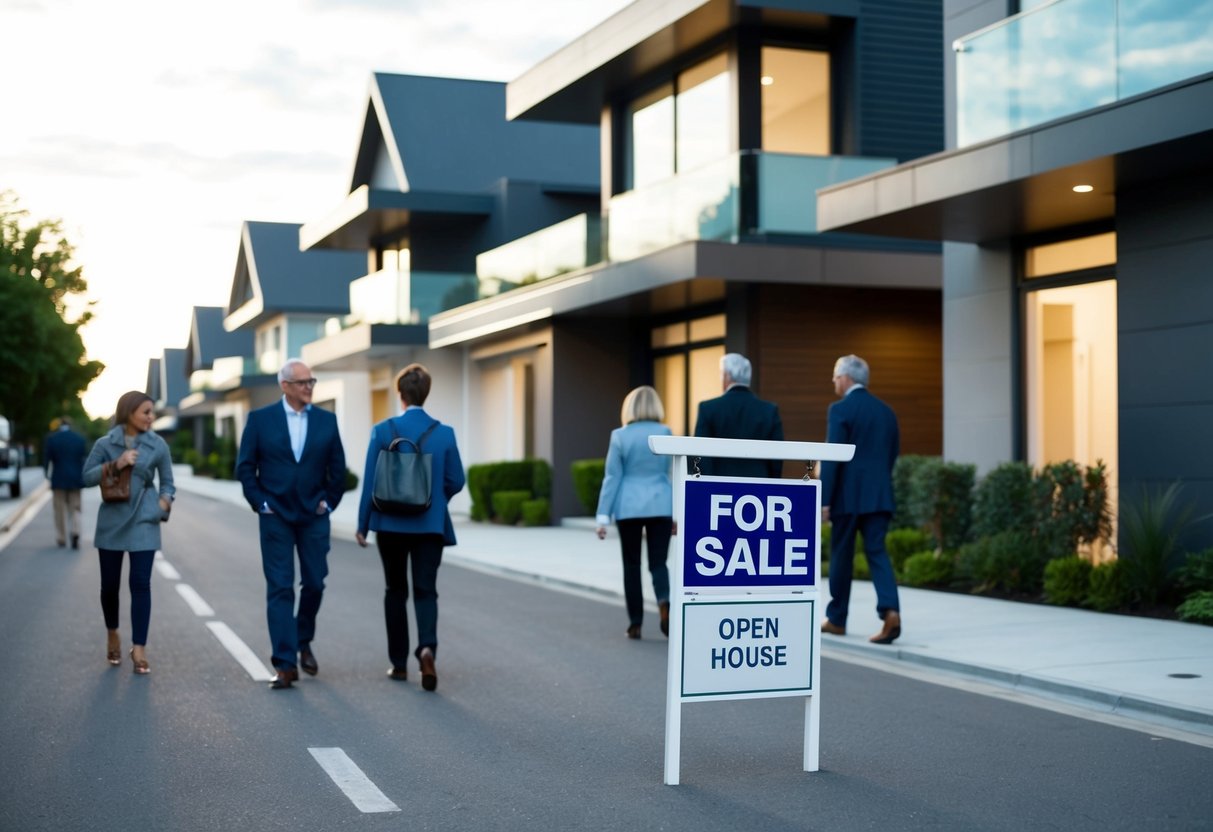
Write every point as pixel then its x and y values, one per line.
pixel 745 597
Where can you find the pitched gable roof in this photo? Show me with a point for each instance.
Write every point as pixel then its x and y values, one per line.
pixel 209 340
pixel 450 135
pixel 273 276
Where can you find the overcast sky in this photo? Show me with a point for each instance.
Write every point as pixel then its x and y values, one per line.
pixel 154 129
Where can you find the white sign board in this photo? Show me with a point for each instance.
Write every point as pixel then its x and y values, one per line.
pixel 747 649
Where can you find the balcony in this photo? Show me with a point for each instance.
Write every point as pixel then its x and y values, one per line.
pixel 401 297
pixel 558 249
pixel 706 203
pixel 1068 56
pixel 227 372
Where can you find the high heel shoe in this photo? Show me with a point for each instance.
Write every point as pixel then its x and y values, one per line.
pixel 140 665
pixel 113 651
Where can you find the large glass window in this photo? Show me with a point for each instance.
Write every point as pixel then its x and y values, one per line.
pixel 1071 370
pixel 681 126
pixel 686 367
pixel 795 101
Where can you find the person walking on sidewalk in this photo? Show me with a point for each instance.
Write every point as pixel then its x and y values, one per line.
pixel 63 455
pixel 738 414
pixel 292 468
pixel 417 538
pixel 637 493
pixel 857 496
pixel 134 525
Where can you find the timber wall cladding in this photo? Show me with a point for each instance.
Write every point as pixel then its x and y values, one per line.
pixel 797 332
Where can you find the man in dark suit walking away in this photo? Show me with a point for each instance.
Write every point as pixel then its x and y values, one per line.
pixel 738 414
pixel 292 466
pixel 857 496
pixel 63 459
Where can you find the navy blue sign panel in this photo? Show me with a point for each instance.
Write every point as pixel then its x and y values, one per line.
pixel 747 533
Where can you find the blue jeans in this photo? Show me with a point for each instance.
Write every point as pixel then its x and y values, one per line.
pixel 279 540
pixel 657 530
pixel 842 563
pixel 140 582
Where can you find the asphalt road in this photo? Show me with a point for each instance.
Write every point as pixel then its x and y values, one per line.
pixel 546 717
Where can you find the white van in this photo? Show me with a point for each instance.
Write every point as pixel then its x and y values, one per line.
pixel 10 459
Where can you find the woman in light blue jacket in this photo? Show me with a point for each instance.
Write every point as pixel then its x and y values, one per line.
pixel 637 494
pixel 133 525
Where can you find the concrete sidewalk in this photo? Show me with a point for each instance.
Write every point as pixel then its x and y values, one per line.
pixel 1138 668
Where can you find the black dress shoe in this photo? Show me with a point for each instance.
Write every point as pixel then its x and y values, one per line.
pixel 283 678
pixel 634 631
pixel 429 676
pixel 307 662
pixel 75 541
pixel 398 673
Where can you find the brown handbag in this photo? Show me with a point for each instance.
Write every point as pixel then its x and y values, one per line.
pixel 115 484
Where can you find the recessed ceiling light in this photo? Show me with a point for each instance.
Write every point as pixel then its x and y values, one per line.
pixel 767 80
pixel 1083 189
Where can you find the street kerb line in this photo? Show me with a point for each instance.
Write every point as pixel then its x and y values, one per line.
pixel 364 794
pixel 166 569
pixel 240 651
pixel 200 607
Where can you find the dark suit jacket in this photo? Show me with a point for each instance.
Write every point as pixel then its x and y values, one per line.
pixel 865 484
pixel 447 470
pixel 63 457
pixel 267 469
pixel 739 414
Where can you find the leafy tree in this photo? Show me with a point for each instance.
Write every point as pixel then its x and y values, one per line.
pixel 43 366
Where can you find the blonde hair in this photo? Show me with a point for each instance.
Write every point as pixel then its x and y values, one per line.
pixel 641 405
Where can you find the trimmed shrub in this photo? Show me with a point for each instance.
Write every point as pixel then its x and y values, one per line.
pixel 1197 608
pixel 927 569
pixel 351 480
pixel 1005 499
pixel 1107 587
pixel 478 490
pixel 537 512
pixel 534 476
pixel 1067 581
pixel 587 481
pixel 1196 575
pixel 941 500
pixel 1075 506
pixel 507 505
pixel 903 475
pixel 901 543
pixel 1010 562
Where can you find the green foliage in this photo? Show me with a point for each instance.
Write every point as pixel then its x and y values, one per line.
pixel 587 481
pixel 351 480
pixel 532 477
pixel 507 505
pixel 478 490
pixel 1075 506
pixel 1004 499
pixel 1197 608
pixel 1012 561
pixel 941 500
pixel 182 442
pixel 903 476
pixel 927 569
pixel 1151 526
pixel 1196 574
pixel 901 543
pixel 42 357
pixel 537 512
pixel 1067 580
pixel 1107 587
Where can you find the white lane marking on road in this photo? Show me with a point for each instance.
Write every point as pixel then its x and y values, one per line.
pixel 200 607
pixel 240 651
pixel 349 778
pixel 166 569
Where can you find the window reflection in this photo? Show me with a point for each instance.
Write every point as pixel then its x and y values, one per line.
pixel 795 101
pixel 702 114
pixel 651 145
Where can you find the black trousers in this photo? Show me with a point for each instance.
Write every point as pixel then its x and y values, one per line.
pixel 424 551
pixel 657 530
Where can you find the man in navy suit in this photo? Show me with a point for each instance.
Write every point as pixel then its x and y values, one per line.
pixel 292 467
pixel 738 414
pixel 63 458
pixel 858 496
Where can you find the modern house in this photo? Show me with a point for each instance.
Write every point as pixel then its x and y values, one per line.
pixel 167 384
pixel 440 176
pixel 717 121
pixel 285 298
pixel 216 363
pixel 1075 203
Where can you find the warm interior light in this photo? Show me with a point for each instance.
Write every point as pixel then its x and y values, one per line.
pixel 767 80
pixel 1083 189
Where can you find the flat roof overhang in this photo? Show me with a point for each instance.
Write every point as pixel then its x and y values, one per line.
pixel 1021 184
pixel 368 214
pixel 573 83
pixel 363 347
pixel 682 275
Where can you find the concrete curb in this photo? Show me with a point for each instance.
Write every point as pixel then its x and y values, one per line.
pixel 26 501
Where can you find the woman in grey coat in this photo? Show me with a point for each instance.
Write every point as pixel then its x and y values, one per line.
pixel 132 526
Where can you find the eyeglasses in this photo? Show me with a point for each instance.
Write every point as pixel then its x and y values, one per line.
pixel 305 382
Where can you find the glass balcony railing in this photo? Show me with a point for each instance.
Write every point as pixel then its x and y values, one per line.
pixel 558 249
pixel 787 187
pixel 1067 56
pixel 228 371
pixel 399 297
